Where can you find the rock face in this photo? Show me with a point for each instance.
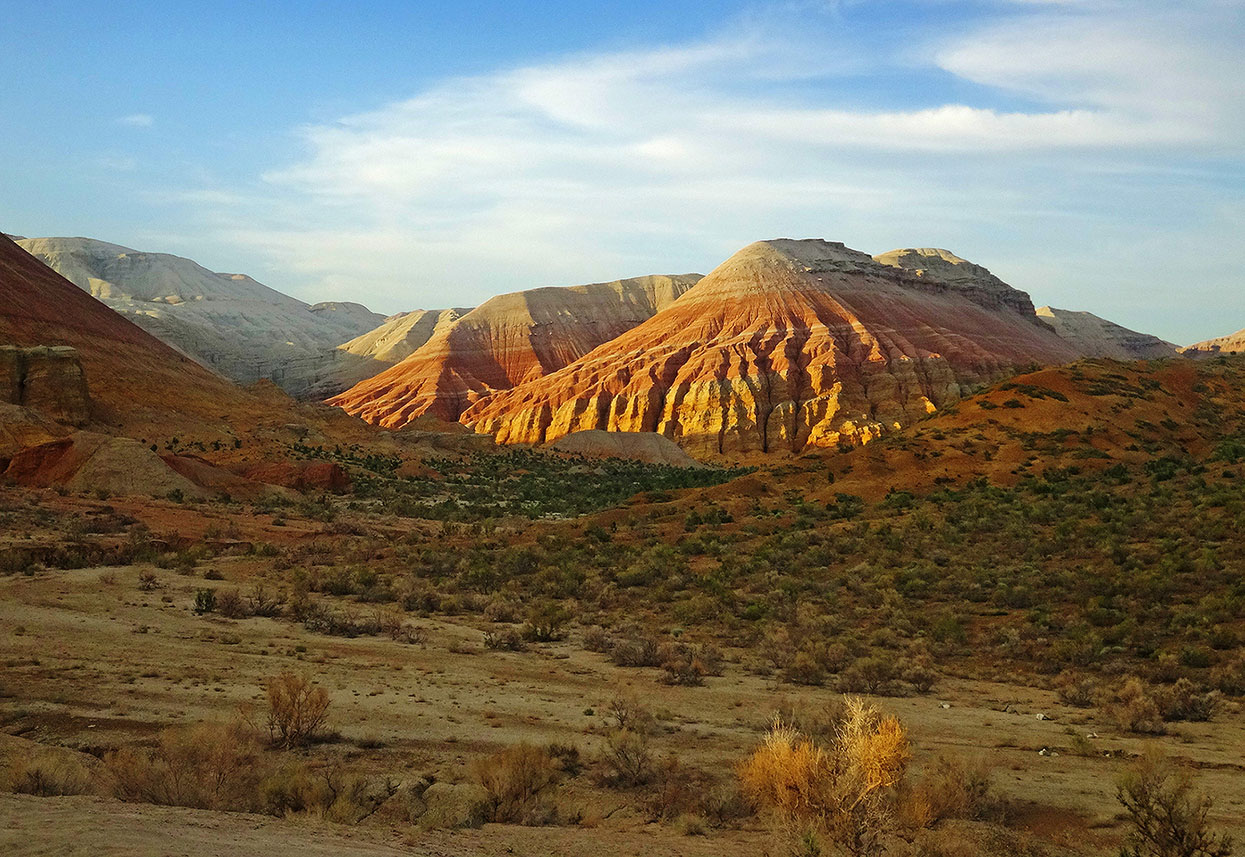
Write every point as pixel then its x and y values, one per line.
pixel 1096 337
pixel 227 322
pixel 648 447
pixel 46 379
pixel 1233 343
pixel 395 339
pixel 506 341
pixel 789 344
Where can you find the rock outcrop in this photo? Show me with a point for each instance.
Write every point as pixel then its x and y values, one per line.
pixel 227 322
pixel 46 379
pixel 1233 343
pixel 789 344
pixel 1096 337
pixel 21 427
pixel 86 461
pixel 647 446
pixel 506 341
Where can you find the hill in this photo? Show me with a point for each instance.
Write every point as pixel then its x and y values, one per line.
pixel 227 322
pixel 1233 343
pixel 506 341
pixel 789 344
pixel 1096 337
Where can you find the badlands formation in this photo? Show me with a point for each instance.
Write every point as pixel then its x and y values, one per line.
pixel 1233 343
pixel 227 322
pixel 790 344
pixel 506 341
pixel 1096 337
pixel 371 353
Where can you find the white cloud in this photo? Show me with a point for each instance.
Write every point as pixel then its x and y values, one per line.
pixel 604 165
pixel 137 120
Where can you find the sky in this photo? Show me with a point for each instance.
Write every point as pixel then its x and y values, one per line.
pixel 426 154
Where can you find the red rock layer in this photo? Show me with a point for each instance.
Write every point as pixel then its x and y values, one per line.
pixel 788 344
pixel 506 341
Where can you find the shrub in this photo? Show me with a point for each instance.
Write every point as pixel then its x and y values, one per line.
pixel 843 792
pixel 636 652
pixel 208 766
pixel 546 624
pixel 597 639
pixel 1230 677
pixel 868 675
pixel 1183 701
pixel 1134 709
pixel 147 580
pixel 506 640
pixel 230 605
pixel 627 758
pixel 521 783
pixel 948 788
pixel 297 709
pixel 48 774
pixel 1166 814
pixel 1076 690
pixel 205 601
pixel 629 713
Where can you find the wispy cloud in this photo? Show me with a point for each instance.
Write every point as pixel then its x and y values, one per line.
pixel 618 163
pixel 137 120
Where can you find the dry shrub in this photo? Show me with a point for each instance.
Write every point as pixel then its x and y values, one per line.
pixel 324 790
pixel 208 766
pixel 521 782
pixel 1184 701
pixel 627 759
pixel 631 714
pixel 948 788
pixel 48 774
pixel 686 793
pixel 1230 676
pixel 641 651
pixel 229 604
pixel 688 665
pixel 1168 817
pixel 843 792
pixel 874 674
pixel 297 709
pixel 1076 690
pixel 1133 708
pixel 505 640
pixel 597 639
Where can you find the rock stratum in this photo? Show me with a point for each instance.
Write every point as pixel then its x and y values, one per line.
pixel 227 322
pixel 789 344
pixel 1233 343
pixel 1093 336
pixel 508 340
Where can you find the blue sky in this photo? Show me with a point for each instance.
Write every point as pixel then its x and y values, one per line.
pixel 429 154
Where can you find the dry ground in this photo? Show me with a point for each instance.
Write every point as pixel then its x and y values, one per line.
pixel 90 661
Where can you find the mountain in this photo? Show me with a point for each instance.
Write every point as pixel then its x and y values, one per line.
pixel 368 354
pixel 133 378
pixel 1096 337
pixel 1233 343
pixel 506 341
pixel 790 344
pixel 227 322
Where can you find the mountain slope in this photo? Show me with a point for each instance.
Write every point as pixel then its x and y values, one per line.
pixel 133 377
pixel 227 322
pixel 371 353
pixel 1233 343
pixel 1096 337
pixel 507 340
pixel 789 344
